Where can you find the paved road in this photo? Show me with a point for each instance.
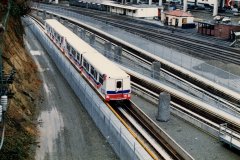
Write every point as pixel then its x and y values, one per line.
pixel 66 130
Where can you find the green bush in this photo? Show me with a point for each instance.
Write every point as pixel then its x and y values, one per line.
pixel 19 9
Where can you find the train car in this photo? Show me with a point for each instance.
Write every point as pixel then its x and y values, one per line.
pixel 110 81
pixel 86 4
pixel 210 3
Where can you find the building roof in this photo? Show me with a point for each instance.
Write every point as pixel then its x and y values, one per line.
pixel 119 5
pixel 128 6
pixel 237 33
pixel 179 13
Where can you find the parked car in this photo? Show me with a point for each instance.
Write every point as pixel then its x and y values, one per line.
pixel 236 13
pixel 226 19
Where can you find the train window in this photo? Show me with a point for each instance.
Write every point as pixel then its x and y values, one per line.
pixel 119 84
pixel 74 53
pixel 100 79
pixel 78 56
pixel 68 48
pixel 86 65
pixel 58 37
pixel 92 70
pixel 95 75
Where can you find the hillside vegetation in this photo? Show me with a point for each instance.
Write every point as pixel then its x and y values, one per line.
pixel 21 132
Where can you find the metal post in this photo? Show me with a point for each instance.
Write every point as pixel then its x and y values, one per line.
pixel 215 8
pixel 44 15
pixel 160 3
pixel 118 54
pixel 65 22
pixel 185 5
pixel 75 29
pixel 107 49
pixel 156 70
pixel 50 16
pixel 58 18
pixel 164 107
pixel 92 38
pixel 83 34
pixel 149 2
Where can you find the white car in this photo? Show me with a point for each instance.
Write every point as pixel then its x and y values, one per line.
pixel 226 19
pixel 236 14
pixel 234 10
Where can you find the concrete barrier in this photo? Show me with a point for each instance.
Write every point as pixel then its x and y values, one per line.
pixel 122 142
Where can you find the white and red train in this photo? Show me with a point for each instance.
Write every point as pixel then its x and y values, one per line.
pixel 111 82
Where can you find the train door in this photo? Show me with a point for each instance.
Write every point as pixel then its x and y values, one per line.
pixel 119 86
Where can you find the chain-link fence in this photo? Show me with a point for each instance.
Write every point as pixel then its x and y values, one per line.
pixel 116 134
pixel 189 62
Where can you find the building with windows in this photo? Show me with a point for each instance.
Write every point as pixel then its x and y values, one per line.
pixel 177 18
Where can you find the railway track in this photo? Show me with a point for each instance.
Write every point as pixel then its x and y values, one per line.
pixel 234 108
pixel 150 59
pixel 158 148
pixel 221 121
pixel 214 119
pixel 186 44
pixel 209 114
pixel 146 129
pixel 151 25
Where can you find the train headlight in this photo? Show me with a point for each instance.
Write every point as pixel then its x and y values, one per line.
pixel 107 98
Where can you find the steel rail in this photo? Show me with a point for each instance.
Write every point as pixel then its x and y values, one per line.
pixel 149 151
pixel 102 16
pixel 189 104
pixel 189 112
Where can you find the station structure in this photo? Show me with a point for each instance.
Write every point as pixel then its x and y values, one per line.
pixel 139 11
pixel 177 18
pixel 137 8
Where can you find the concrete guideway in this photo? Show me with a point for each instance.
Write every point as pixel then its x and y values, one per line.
pixel 214 128
pixel 109 125
pixel 66 130
pixel 167 138
pixel 181 70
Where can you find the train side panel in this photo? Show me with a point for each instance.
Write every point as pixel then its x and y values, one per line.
pixel 110 81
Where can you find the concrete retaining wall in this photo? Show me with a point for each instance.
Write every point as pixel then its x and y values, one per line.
pixel 123 143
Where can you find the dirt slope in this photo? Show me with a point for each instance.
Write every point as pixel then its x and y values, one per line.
pixel 21 115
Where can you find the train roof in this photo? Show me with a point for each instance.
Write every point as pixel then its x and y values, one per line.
pixel 96 59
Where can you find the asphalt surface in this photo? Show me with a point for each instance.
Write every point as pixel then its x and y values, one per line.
pixel 66 131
